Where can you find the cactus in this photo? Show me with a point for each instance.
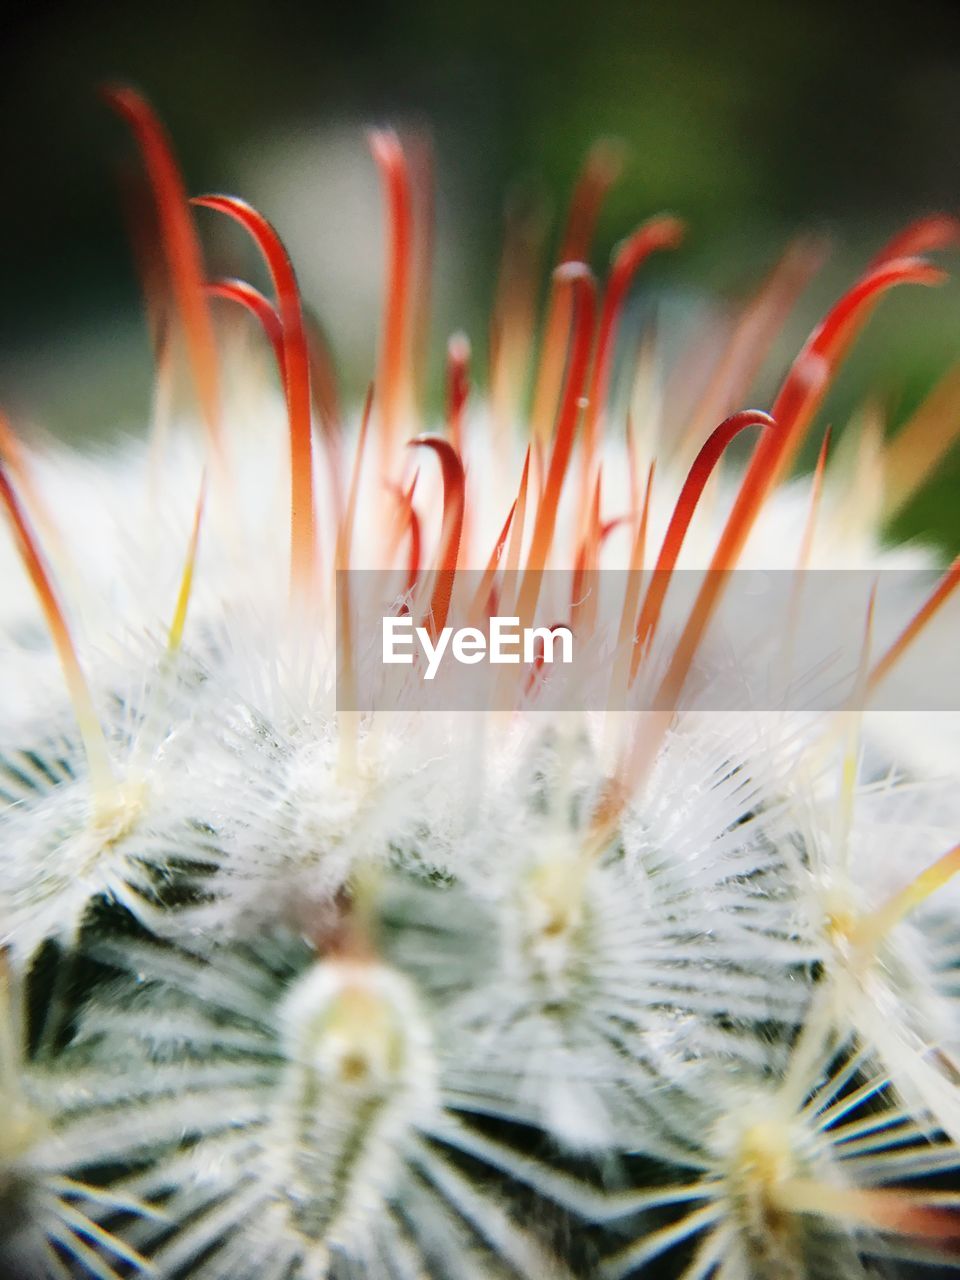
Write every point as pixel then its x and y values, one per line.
pixel 295 990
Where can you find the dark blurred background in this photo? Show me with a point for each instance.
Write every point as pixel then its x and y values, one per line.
pixel 753 120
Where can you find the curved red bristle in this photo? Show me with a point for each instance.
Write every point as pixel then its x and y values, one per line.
pixel 601 169
pixel 813 370
pixel 454 494
pixel 323 389
pixel 930 234
pixel 296 379
pixel 91 732
pixel 579 279
pixel 703 467
pixel 261 308
pixel 800 396
pixel 663 232
pixel 393 375
pixel 180 243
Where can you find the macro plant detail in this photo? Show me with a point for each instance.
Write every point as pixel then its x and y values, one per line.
pixel 292 989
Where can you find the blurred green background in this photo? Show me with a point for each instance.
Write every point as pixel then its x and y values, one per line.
pixel 751 120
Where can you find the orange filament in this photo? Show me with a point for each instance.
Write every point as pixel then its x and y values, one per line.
pixel 938 597
pixel 91 732
pixel 601 170
pixel 658 233
pixel 181 248
pixel 579 279
pixel 583 602
pixel 296 379
pixel 923 441
pixel 393 374
pixel 454 483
